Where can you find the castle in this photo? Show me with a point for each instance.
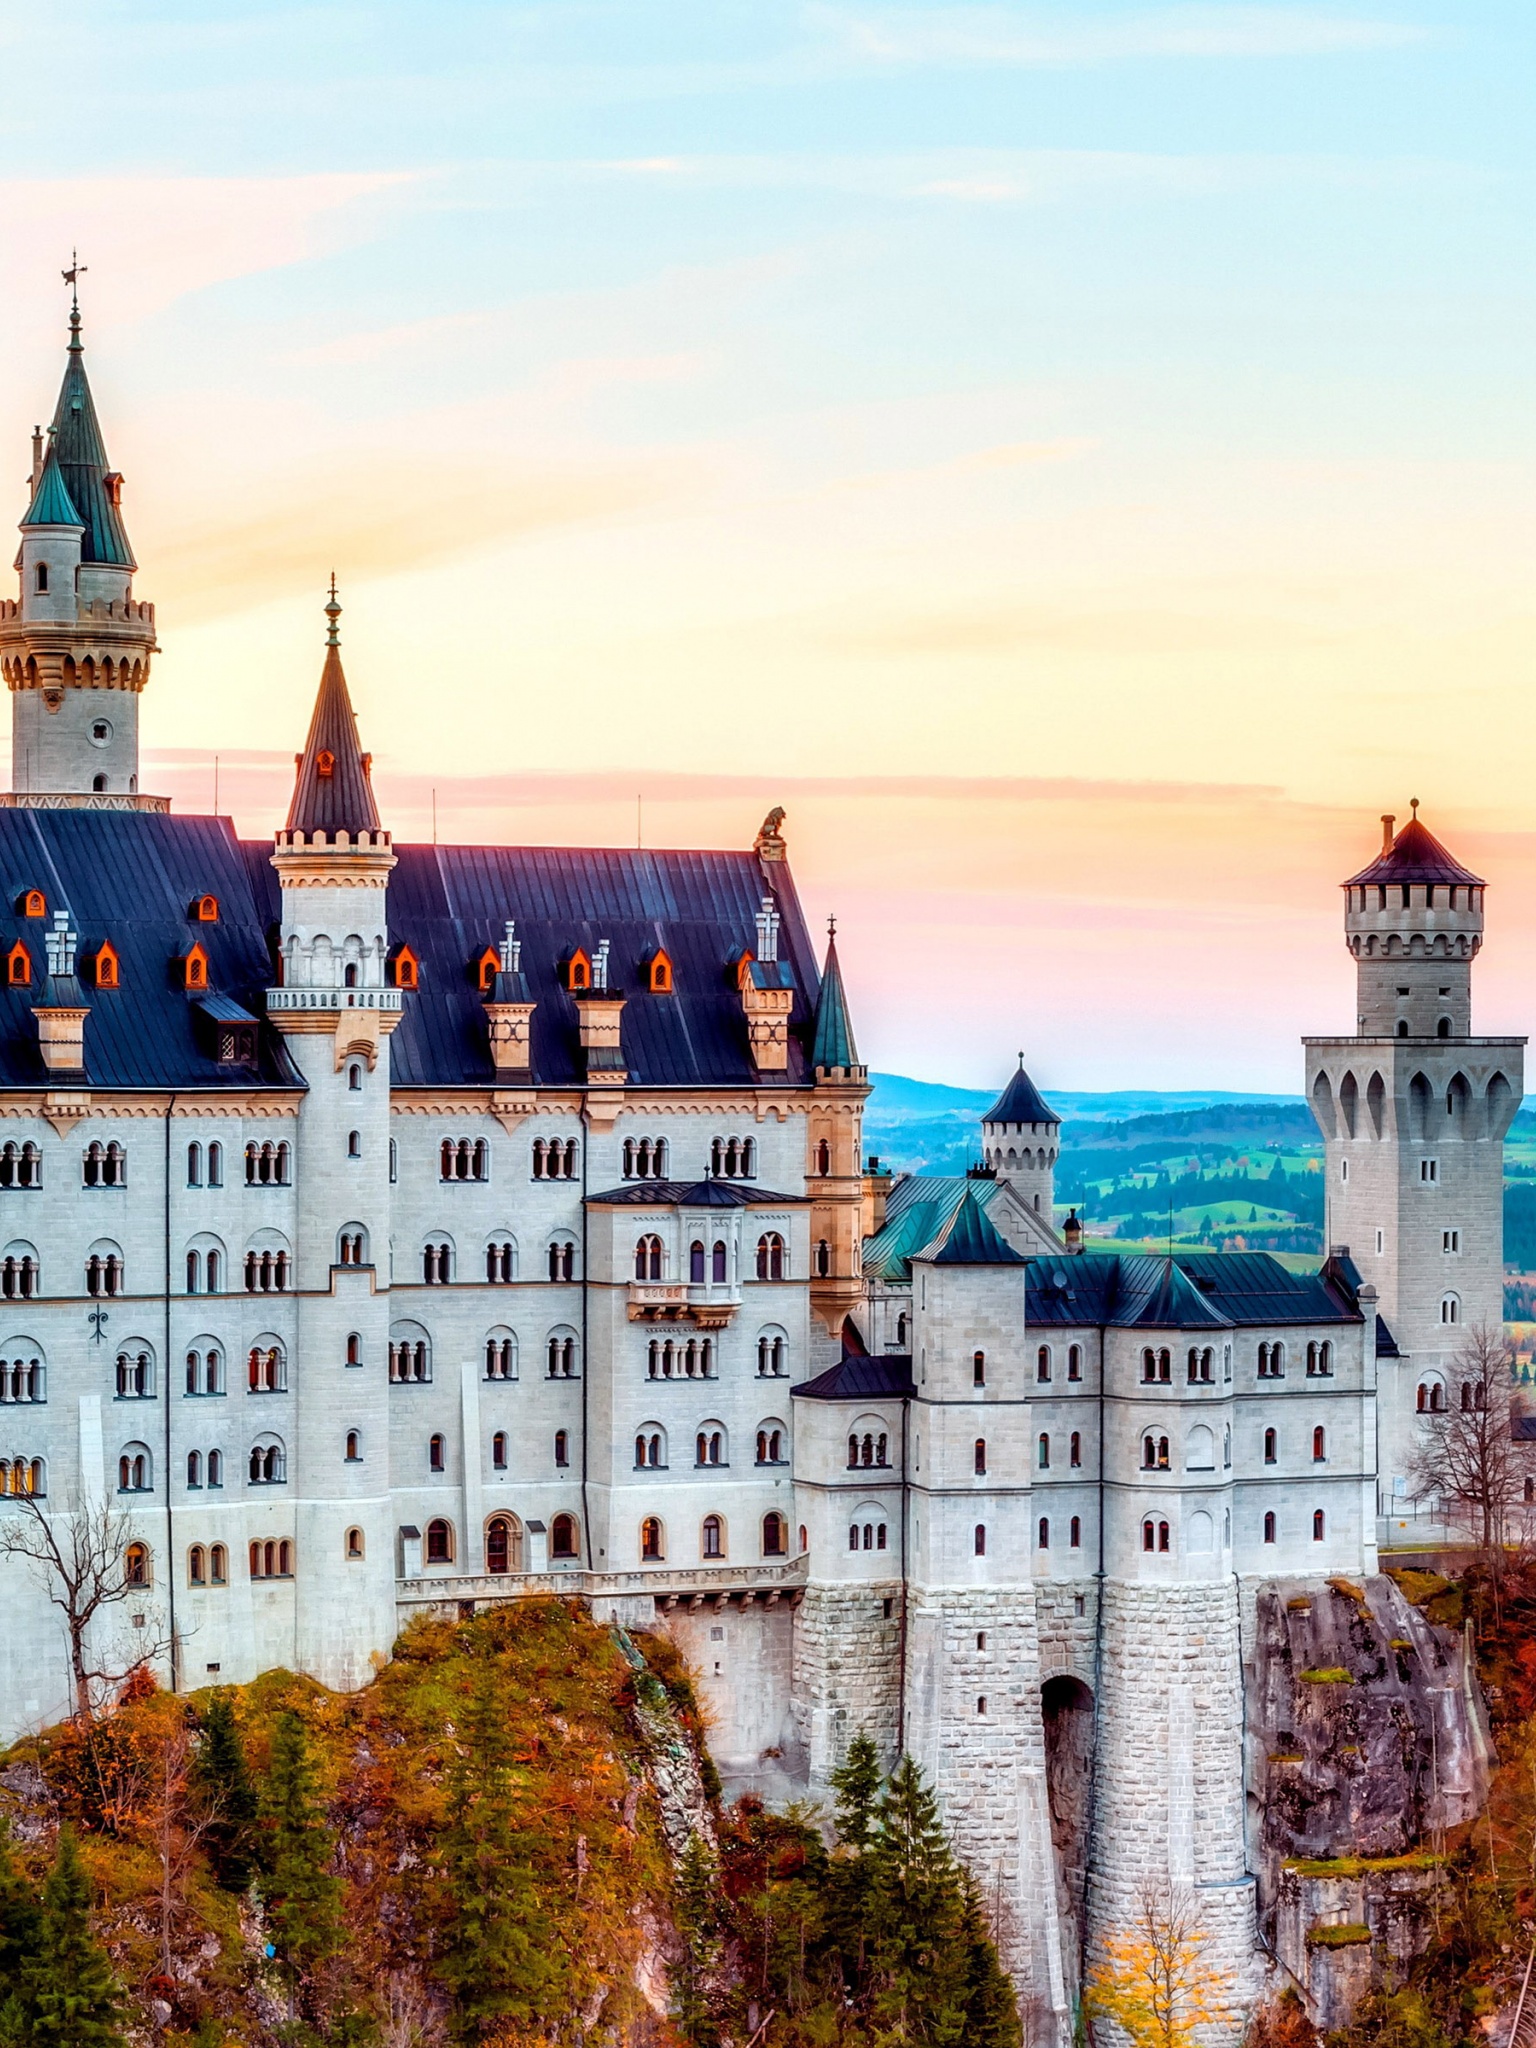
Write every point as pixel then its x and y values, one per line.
pixel 393 1228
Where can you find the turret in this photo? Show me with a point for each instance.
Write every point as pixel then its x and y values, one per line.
pixel 75 645
pixel 834 1130
pixel 1020 1138
pixel 1414 921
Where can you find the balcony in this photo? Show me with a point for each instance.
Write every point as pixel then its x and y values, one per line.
pixel 674 1301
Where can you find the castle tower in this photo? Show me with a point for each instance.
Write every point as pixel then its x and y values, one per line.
pixel 75 645
pixel 834 1130
pixel 335 1012
pixel 1413 1110
pixel 1020 1138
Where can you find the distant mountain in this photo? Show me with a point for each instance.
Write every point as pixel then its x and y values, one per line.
pixel 928 1127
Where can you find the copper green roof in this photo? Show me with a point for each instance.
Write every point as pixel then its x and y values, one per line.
pixel 82 458
pixel 919 1210
pixel 51 503
pixel 832 1040
pixel 969 1238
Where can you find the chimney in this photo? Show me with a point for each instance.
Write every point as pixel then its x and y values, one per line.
pixel 767 930
pixel 37 457
pixel 1072 1233
pixel 509 1009
pixel 1387 822
pixel 63 1010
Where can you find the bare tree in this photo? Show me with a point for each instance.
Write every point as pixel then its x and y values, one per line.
pixel 86 1559
pixel 1467 1457
pixel 1155 1982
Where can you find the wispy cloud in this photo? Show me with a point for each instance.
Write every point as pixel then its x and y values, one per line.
pixel 968 36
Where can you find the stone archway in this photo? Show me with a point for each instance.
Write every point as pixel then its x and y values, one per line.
pixel 1066 1711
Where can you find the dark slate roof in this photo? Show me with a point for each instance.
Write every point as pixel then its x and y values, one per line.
pixel 1415 855
pixel 832 1041
pixel 1021 1103
pixel 969 1238
pixel 1386 1343
pixel 132 876
pixel 1522 1429
pixel 448 903
pixel 82 457
pixel 860 1379
pixel 1193 1290
pixel 332 791
pixel 696 1194
pixel 51 503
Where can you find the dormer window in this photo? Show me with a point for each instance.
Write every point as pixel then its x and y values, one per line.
pixel 18 967
pixel 194 968
pixel 205 910
pixel 578 970
pixel 112 484
pixel 237 1045
pixel 487 968
pixel 404 968
pixel 104 967
pixel 659 976
pixel 32 904
pixel 325 764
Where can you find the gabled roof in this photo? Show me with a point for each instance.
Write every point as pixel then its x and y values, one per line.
pixel 1155 1294
pixel 51 503
pixel 692 1194
pixel 917 1209
pixel 1386 1343
pixel 1021 1103
pixel 969 1238
pixel 1415 855
pixel 82 458
pixel 1190 1291
pixel 861 1379
pixel 832 1039
pixel 332 791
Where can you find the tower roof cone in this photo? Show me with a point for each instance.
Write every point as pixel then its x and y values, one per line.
pixel 832 1039
pixel 93 487
pixel 1412 855
pixel 332 791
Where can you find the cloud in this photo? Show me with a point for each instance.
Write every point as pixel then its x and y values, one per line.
pixel 968 36
pixel 149 241
pixel 372 517
pixel 1096 629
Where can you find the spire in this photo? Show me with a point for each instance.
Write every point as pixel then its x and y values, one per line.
pixel 332 792
pixel 51 503
pixel 75 442
pixel 832 1039
pixel 1021 1103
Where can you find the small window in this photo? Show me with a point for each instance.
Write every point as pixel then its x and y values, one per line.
pixel 105 966
pixel 40 579
pixel 712 1537
pixel 660 977
pixel 1043 1533
pixel 978 1368
pixel 1318 1526
pixel 206 910
pixel 652 1540
pixel 355 1077
pixel 194 967
pixel 1269 1528
pixel 439 1542
pixel 499 1451
pixel 404 968
pixel 354 1348
pixel 354 1447
pixel 578 970
pixel 1450 1240
pixel 563 1538
pixel 1271 1447
pixel 1319 1445
pixel 1074 1361
pixel 354 1144
pixel 1043 1364
pixel 354 1543
pixel 197 1565
pixel 562 1447
pixel 1043 1451
pixel 1450 1308
pixel 979 1455
pixel 1075 1449
pixel 136 1565
pixel 979 1539
pixel 775 1536
pixel 1075 1533
pixel 18 967
pixel 437 1454
pixel 32 904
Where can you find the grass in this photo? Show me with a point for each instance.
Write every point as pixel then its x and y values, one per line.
pixel 1330 1674
pixel 1363 1866
pixel 1348 1935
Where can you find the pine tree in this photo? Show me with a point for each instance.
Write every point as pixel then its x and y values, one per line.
pixel 499 1960
pixel 303 1899
pixel 69 1996
pixel 21 1916
pixel 916 1918
pixel 226 1796
pixel 698 1924
pixel 856 1784
pixel 991 2010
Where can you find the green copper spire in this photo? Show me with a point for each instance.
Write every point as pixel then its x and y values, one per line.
pixel 832 1040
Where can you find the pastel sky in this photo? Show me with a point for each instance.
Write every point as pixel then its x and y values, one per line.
pixel 1077 459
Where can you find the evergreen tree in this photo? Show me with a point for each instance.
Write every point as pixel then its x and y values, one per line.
pixel 225 1794
pixel 499 1959
pixel 856 1786
pixel 919 1951
pixel 698 1922
pixel 21 1916
pixel 991 2010
pixel 303 1899
pixel 68 1996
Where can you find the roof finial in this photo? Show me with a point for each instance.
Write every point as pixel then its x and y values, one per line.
pixel 831 928
pixel 1021 1063
pixel 333 613
pixel 1413 805
pixel 72 278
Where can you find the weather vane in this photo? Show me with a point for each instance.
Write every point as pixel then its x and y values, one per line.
pixel 73 275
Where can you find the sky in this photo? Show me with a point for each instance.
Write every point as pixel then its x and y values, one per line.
pixel 1077 459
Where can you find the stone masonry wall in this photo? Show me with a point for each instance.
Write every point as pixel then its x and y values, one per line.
pixel 846 1673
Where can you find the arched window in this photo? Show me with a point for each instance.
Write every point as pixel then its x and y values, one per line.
pixel 696 1263
pixel 1271 1446
pixel 267 1465
pixel 901 1331
pixel 1042 1451
pixel 437 1453
pixel 718 1262
pixel 1318 1526
pixel 979 1454
pixel 18 967
pixel 197 1566
pixel 652 1540
pixel 709 1446
pixel 266 1367
pixel 775 1535
pixel 1043 1533
pixel 1074 1361
pixel 562 1448
pixel 1163 1536
pixel 1043 1364
pixel 564 1537
pixel 218 1565
pixel 712 1537
pixel 649 1258
pixel 216 1163
pixel 1269 1528
pixel 354 1447
pixel 1450 1308
pixel 979 1539
pixel 499 1451
pixel 355 1077
pixel 823 1157
pixel 40 579
pixel 1319 1445
pixel 770 1256
pixel 1075 1449
pixel 410 1355
pixel 439 1541
pixel 1075 1533
pixel 194 1468
pixel 978 1368
pixel 354 1544
pixel 136 1564
pixel 503 1545
pixel 1148 1536
pixel 772 1353
pixel 1148 1366
pixel 561 1258
pixel 135 1373
pixel 437 1262
pixel 561 1353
